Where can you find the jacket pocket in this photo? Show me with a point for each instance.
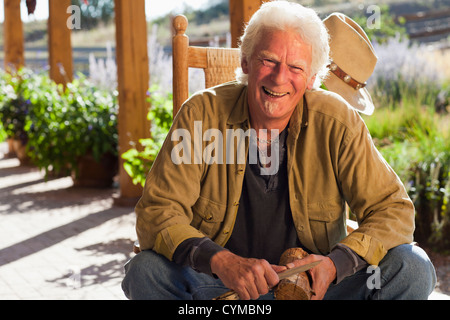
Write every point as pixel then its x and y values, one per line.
pixel 327 225
pixel 208 216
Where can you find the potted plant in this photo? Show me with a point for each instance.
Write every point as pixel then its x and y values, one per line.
pixel 43 129
pixel 76 132
pixel 94 138
pixel 15 106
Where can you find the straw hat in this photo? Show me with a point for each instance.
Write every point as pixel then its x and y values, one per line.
pixel 353 60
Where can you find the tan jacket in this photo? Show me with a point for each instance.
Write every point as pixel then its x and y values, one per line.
pixel 331 160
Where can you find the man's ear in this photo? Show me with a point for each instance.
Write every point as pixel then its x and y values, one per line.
pixel 311 82
pixel 244 65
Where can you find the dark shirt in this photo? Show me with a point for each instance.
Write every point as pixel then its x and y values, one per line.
pixel 264 228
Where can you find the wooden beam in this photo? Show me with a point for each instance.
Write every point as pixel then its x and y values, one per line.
pixel 240 13
pixel 133 84
pixel 59 42
pixel 13 36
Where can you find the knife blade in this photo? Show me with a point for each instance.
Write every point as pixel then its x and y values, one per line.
pixel 232 295
pixel 295 270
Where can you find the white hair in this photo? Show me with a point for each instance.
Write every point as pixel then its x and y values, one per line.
pixel 284 15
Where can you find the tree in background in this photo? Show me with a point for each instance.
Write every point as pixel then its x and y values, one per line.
pixel 94 12
pixel 388 26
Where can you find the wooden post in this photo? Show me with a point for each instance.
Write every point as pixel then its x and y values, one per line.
pixel 180 44
pixel 240 13
pixel 13 36
pixel 59 41
pixel 133 84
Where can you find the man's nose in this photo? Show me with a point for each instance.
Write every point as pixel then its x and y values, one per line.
pixel 280 74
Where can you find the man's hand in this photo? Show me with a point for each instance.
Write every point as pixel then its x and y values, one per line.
pixel 322 275
pixel 249 278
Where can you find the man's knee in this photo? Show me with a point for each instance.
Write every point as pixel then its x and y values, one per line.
pixel 412 265
pixel 142 273
pixel 141 264
pixel 413 259
pixel 151 276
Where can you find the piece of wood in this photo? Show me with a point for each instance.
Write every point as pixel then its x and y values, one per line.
pixel 296 287
pixel 136 247
pixel 133 84
pixel 59 42
pixel 230 295
pixel 13 36
pixel 240 13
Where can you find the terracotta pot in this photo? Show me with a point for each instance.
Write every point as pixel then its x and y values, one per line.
pixel 20 150
pixel 95 174
pixel 11 153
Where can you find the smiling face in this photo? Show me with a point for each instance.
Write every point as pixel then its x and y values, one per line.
pixel 279 72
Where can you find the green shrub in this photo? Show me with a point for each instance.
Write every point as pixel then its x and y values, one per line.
pixel 15 105
pixel 140 158
pixel 58 125
pixel 388 27
pixel 66 124
pixel 3 135
pixel 399 90
pixel 415 141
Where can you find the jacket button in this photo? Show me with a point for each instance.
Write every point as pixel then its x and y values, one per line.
pixel 301 228
pixel 209 217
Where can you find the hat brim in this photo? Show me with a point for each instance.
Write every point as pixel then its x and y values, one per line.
pixel 358 99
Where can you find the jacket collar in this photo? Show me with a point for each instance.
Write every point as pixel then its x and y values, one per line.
pixel 299 118
pixel 240 113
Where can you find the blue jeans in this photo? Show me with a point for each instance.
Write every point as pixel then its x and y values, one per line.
pixel 404 273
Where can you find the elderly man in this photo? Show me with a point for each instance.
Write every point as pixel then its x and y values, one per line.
pixel 206 227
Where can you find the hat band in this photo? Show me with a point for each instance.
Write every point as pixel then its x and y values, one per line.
pixel 341 74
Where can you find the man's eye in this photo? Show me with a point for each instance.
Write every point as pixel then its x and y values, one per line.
pixel 269 63
pixel 296 69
